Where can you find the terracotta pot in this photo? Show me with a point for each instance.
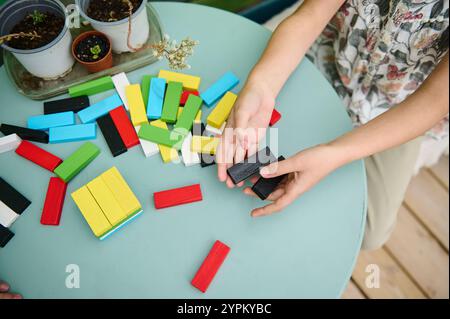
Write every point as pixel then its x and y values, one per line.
pixel 105 63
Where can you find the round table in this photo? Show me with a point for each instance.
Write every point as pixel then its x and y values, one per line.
pixel 307 251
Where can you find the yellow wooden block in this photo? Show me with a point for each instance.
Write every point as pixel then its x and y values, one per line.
pixel 198 119
pixel 204 144
pixel 107 202
pixel 180 110
pixel 121 191
pixel 91 211
pixel 136 104
pixel 223 109
pixel 168 154
pixel 190 82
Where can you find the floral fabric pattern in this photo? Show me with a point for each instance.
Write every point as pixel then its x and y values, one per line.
pixel 377 52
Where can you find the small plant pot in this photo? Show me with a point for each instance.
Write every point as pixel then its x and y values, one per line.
pixel 104 63
pixel 50 61
pixel 117 31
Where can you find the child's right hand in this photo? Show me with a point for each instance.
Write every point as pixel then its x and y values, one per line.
pixel 249 118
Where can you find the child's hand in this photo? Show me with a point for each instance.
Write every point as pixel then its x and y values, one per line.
pixel 5 294
pixel 305 169
pixel 249 118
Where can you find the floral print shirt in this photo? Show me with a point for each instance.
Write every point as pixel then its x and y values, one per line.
pixel 378 52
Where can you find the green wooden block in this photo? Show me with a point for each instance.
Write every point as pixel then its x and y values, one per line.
pixel 92 87
pixel 76 162
pixel 161 136
pixel 145 87
pixel 172 102
pixel 187 117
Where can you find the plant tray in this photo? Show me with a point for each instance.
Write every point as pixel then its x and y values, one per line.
pixel 39 89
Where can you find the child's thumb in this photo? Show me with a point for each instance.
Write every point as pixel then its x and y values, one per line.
pixel 279 168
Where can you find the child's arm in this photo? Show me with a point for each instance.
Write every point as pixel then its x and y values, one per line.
pixel 290 42
pixel 285 50
pixel 406 121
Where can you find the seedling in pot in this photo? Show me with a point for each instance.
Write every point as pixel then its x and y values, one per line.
pixel 115 10
pixel 93 50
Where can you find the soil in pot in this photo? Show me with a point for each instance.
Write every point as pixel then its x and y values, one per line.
pixel 45 24
pixel 92 49
pixel 111 10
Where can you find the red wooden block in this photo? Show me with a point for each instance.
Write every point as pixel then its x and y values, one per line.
pixel 124 126
pixel 54 202
pixel 178 196
pixel 210 266
pixel 38 156
pixel 276 116
pixel 185 96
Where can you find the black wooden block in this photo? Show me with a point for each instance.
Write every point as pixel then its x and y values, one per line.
pixel 111 135
pixel 250 166
pixel 74 104
pixel 265 186
pixel 25 133
pixel 5 236
pixel 12 198
pixel 198 129
pixel 207 160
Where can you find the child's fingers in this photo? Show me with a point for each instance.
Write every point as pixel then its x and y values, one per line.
pixel 4 287
pixel 277 206
pixel 225 153
pixel 254 179
pixel 223 158
pixel 230 183
pixel 279 168
pixel 272 197
pixel 10 296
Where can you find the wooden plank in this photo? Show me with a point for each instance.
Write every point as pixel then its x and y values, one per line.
pixel 420 255
pixel 394 283
pixel 440 171
pixel 352 292
pixel 428 200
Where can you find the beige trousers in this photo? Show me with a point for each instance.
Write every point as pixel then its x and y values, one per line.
pixel 388 177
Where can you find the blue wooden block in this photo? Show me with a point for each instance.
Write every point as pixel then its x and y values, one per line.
pixel 93 112
pixel 218 89
pixel 156 98
pixel 120 226
pixel 44 122
pixel 73 133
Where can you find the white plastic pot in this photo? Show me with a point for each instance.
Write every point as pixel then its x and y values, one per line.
pixel 117 31
pixel 50 61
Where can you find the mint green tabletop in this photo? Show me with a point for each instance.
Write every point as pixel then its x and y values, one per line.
pixel 307 251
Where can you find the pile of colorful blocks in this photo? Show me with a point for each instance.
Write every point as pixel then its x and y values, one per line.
pixel 164 117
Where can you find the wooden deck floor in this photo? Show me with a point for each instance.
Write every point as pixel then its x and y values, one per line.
pixel 414 263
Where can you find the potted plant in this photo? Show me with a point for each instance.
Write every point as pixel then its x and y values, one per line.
pixel 93 50
pixel 36 33
pixel 125 22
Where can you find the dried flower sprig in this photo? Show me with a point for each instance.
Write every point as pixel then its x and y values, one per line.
pixel 32 35
pixel 176 54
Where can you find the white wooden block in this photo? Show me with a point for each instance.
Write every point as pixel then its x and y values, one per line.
pixel 211 130
pixel 9 143
pixel 121 82
pixel 189 158
pixel 7 215
pixel 148 147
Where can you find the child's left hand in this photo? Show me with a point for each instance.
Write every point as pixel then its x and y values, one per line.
pixel 305 169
